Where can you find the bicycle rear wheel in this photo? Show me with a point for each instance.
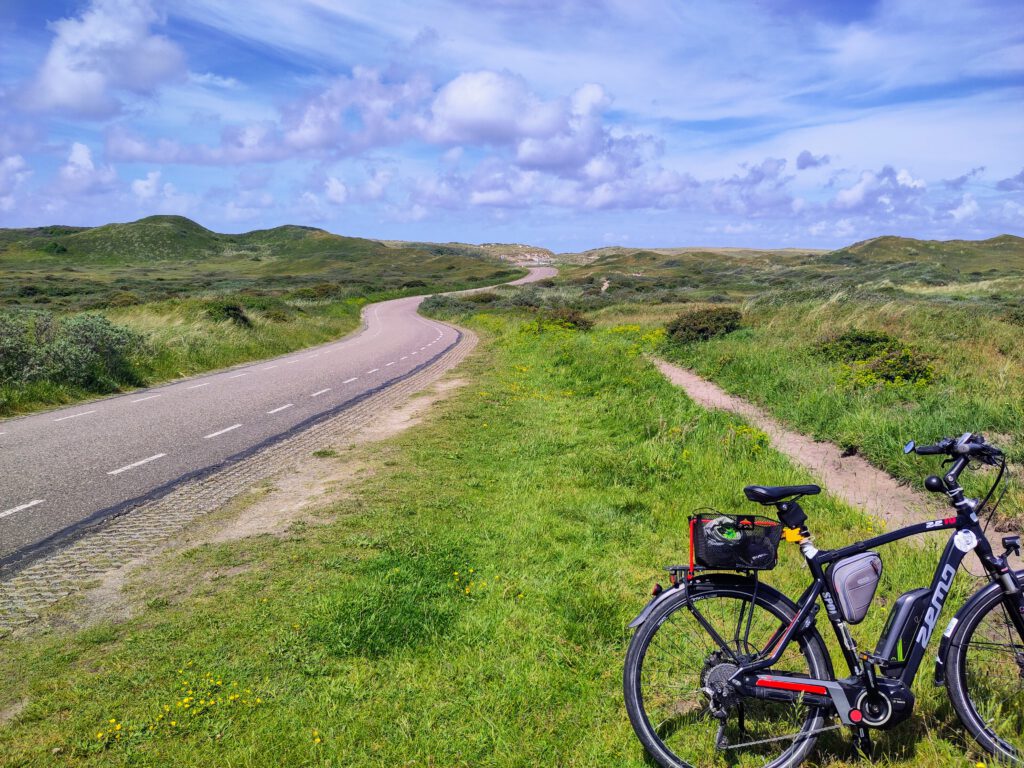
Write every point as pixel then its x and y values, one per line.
pixel 673 662
pixel 985 676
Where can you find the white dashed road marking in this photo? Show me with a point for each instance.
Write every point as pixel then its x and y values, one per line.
pixel 404 357
pixel 197 386
pixel 238 375
pixel 75 415
pixel 136 464
pixel 267 367
pixel 320 392
pixel 150 397
pixel 20 507
pixel 278 410
pixel 349 381
pixel 391 363
pixel 373 370
pixel 221 432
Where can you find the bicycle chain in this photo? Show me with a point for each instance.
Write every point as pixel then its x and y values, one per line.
pixel 789 736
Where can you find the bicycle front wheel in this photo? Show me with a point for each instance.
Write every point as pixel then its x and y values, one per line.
pixel 674 664
pixel 985 676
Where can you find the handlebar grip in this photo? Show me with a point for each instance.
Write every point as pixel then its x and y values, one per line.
pixel 930 450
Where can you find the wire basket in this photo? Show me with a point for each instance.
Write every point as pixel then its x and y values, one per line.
pixel 734 542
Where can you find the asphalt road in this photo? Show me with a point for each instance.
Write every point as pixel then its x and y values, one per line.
pixel 64 469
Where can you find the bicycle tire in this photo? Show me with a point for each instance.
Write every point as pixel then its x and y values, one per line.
pixel 962 673
pixel 810 644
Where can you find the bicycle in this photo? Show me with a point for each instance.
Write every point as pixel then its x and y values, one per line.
pixel 724 668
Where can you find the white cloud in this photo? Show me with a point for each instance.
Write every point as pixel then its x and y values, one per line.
pixel 80 175
pixel 106 50
pixel 335 190
pixel 887 191
pixel 967 209
pixel 486 107
pixel 146 189
pixel 13 172
pixel 216 81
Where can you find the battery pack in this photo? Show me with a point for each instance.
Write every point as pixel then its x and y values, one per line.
pixel 900 630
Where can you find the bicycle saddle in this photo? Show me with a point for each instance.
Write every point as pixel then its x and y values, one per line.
pixel 773 494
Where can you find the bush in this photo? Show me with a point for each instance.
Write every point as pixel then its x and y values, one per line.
pixel 855 344
pixel 893 367
pixel 874 358
pixel 1015 316
pixel 449 304
pixel 123 299
pixel 703 324
pixel 484 297
pixel 318 292
pixel 85 350
pixel 16 346
pixel 221 311
pixel 569 318
pixel 91 352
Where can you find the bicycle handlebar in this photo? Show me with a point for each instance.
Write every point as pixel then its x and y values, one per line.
pixel 929 450
pixel 969 445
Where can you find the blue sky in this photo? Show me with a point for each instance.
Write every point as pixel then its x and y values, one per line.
pixel 565 123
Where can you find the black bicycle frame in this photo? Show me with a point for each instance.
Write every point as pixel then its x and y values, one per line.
pixel 945 572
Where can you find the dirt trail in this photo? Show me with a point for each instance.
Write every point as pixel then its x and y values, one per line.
pixel 851 478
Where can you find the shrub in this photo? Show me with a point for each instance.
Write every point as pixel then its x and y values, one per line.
pixel 893 367
pixel 85 350
pixel 16 346
pixel 414 284
pixel 856 344
pixel 874 358
pixel 450 304
pixel 1015 316
pixel 484 297
pixel 318 291
pixel 569 318
pixel 221 311
pixel 91 352
pixel 123 299
pixel 703 324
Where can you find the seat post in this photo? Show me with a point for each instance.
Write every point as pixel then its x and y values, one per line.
pixel 793 516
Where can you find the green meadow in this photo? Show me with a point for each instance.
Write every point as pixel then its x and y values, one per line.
pixel 464 605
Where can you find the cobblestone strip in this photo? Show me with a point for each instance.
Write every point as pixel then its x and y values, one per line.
pixel 144 528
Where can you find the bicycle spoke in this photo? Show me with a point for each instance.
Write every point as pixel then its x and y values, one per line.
pixel 689 658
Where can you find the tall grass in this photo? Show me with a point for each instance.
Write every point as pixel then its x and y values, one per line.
pixel 977 381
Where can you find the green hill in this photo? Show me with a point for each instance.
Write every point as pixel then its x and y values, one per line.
pixel 1002 253
pixel 162 257
pixel 882 262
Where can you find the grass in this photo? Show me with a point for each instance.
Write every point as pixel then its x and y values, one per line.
pixel 976 383
pixel 466 605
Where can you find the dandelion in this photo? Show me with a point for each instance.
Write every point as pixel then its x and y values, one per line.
pixel 99 735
